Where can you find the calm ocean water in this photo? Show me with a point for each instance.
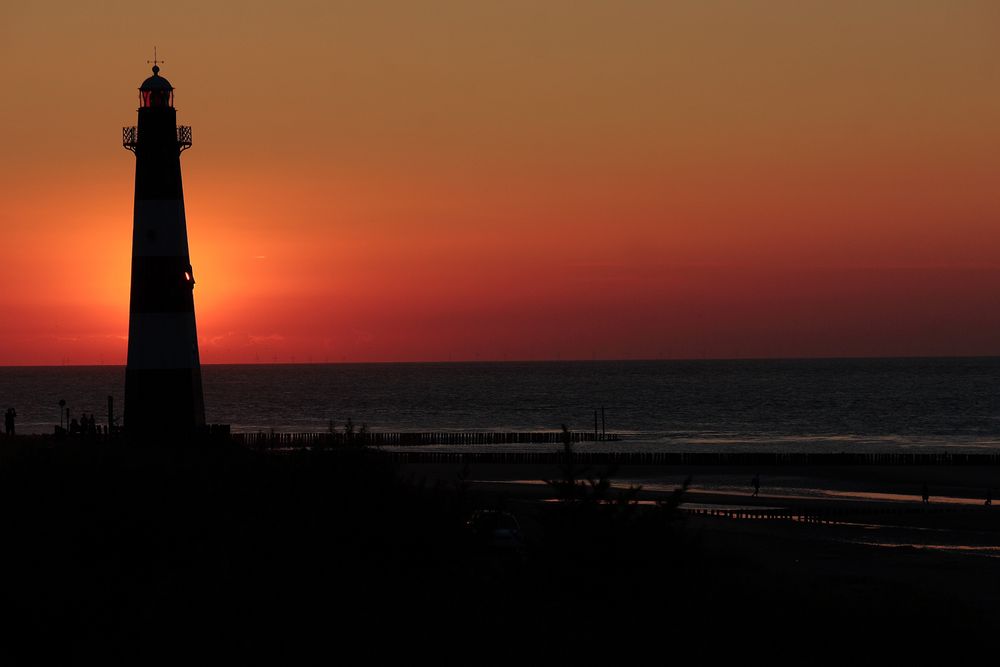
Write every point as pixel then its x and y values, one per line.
pixel 870 404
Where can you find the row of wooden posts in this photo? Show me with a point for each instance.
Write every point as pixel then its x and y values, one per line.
pixel 404 440
pixel 833 514
pixel 414 439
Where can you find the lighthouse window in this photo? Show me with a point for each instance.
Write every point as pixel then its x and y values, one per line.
pixel 155 98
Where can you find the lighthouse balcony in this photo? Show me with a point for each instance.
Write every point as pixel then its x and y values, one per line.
pixel 130 137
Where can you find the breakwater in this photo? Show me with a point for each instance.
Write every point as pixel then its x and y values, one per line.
pixel 394 446
pixel 415 439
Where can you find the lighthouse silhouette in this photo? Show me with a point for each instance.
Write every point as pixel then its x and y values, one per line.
pixel 163 395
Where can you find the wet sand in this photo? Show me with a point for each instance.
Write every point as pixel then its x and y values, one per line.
pixel 863 532
pixel 956 485
pixel 121 542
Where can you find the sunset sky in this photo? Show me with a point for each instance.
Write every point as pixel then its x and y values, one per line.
pixel 456 180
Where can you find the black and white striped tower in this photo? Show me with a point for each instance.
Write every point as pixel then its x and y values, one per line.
pixel 163 393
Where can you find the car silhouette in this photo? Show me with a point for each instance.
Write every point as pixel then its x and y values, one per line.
pixel 495 531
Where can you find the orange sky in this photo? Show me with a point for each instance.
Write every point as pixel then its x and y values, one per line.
pixel 516 180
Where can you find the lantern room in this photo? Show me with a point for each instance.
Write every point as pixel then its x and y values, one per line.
pixel 156 92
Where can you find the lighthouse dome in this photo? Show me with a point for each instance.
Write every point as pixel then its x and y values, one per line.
pixel 156 91
pixel 156 82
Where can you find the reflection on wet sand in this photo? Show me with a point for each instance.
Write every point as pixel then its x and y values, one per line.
pixel 957 524
pixel 801 493
pixel 781 493
pixel 966 549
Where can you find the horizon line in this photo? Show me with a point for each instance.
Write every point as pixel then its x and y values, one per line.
pixel 545 361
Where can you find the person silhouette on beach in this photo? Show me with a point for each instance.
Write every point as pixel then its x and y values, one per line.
pixel 8 420
pixel 756 485
pixel 989 496
pixel 925 494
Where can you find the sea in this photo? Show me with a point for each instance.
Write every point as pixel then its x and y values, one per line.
pixel 949 404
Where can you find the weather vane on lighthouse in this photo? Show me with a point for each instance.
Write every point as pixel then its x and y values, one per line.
pixel 163 391
pixel 156 63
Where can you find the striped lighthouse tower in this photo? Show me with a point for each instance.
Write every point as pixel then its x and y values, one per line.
pixel 163 393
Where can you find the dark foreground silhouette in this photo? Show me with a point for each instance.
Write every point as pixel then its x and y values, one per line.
pixel 137 553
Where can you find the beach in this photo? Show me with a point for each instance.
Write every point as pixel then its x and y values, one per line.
pixel 287 553
pixel 860 533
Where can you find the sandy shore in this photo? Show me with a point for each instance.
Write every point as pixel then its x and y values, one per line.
pixel 288 542
pixel 865 528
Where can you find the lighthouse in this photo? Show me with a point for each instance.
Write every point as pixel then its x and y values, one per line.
pixel 163 395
